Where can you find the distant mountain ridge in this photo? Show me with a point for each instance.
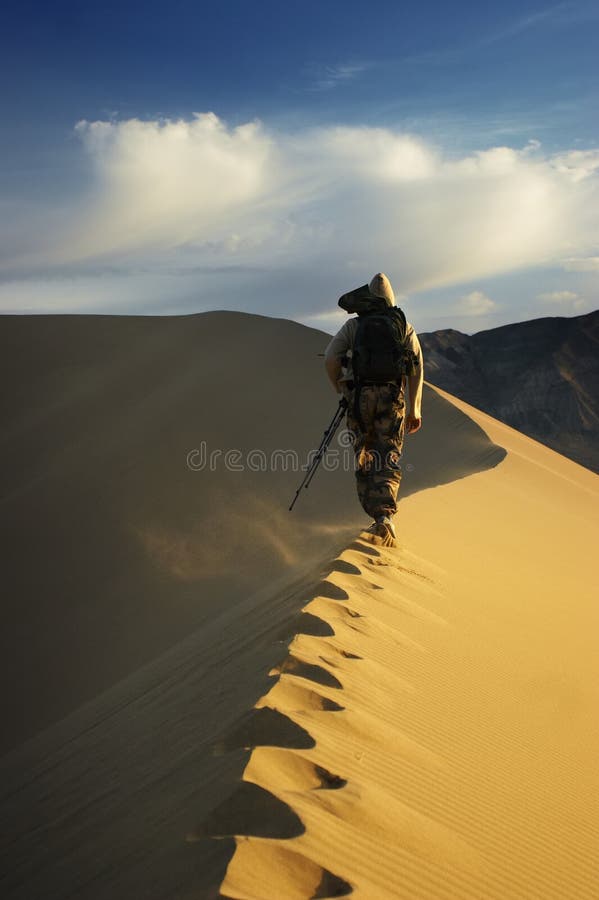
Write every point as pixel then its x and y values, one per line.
pixel 540 376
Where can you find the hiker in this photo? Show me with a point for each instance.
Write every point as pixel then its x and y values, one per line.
pixel 369 361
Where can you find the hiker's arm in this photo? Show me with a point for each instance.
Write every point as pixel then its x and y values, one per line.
pixel 415 382
pixel 333 367
pixel 334 354
pixel 415 394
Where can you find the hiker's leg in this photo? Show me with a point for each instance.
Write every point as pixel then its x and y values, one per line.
pixel 388 435
pixel 360 424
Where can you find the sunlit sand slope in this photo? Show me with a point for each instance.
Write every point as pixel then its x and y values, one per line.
pixel 450 713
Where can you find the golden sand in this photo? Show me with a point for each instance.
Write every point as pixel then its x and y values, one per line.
pixel 463 762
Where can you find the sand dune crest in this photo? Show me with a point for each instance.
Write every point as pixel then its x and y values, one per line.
pixel 465 747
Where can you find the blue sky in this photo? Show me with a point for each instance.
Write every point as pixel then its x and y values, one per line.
pixel 454 146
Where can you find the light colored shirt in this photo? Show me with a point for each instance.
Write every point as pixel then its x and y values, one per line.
pixel 342 345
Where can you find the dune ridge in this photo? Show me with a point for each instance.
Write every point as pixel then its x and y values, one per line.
pixel 114 548
pixel 141 613
pixel 457 758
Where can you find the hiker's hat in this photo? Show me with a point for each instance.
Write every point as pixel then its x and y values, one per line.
pixel 368 297
pixel 380 286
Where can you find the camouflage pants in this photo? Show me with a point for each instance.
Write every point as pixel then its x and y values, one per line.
pixel 377 427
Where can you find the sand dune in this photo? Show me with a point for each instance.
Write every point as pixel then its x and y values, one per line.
pixel 459 759
pixel 114 549
pixel 427 729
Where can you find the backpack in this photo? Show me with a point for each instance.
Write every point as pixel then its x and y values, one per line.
pixel 379 353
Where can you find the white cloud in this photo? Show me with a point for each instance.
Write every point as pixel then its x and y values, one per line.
pixel 330 321
pixel 585 264
pixel 168 182
pixel 145 293
pixel 557 296
pixel 567 300
pixel 558 15
pixel 577 164
pixel 191 195
pixel 327 78
pixel 376 154
pixel 476 303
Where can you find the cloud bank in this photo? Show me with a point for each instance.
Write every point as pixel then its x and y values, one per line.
pixel 198 196
pixel 566 302
pixel 476 303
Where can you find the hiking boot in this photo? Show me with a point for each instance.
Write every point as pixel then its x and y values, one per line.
pixel 384 529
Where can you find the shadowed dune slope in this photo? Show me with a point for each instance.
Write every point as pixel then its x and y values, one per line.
pixel 114 549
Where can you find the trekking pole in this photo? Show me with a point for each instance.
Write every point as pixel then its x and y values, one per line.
pixel 327 437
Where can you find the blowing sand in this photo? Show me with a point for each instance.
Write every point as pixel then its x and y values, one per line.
pixel 113 548
pixel 453 708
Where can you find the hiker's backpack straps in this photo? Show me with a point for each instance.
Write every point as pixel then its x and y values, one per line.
pixel 410 361
pixel 379 352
